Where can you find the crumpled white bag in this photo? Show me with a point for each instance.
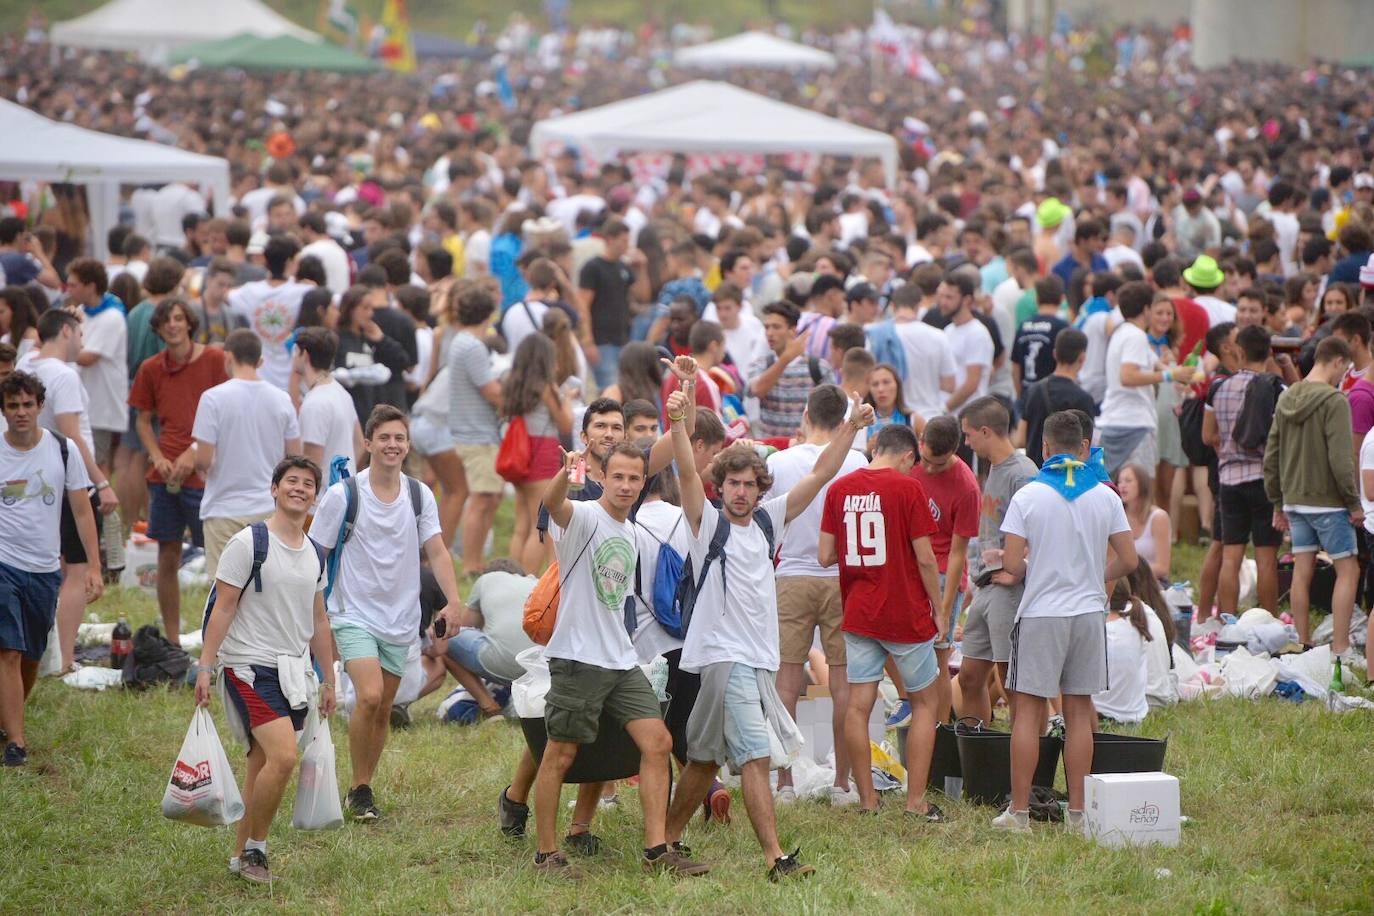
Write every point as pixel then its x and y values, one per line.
pixel 91 677
pixel 528 690
pixel 201 789
pixel 1249 676
pixel 1358 633
pixel 1312 671
pixel 317 788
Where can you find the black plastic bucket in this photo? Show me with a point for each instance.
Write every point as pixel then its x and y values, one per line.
pixel 613 755
pixel 985 762
pixel 1127 754
pixel 944 759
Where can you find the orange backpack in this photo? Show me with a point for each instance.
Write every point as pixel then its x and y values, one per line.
pixel 541 607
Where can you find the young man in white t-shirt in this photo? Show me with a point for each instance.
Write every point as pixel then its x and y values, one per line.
pixel 250 632
pixel 1064 520
pixel 243 427
pixel 35 480
pixel 1129 418
pixel 593 667
pixel 969 341
pixel 733 639
pixel 745 340
pixel 271 307
pixel 930 367
pixel 103 360
pixel 808 594
pixel 374 603
pixel 328 420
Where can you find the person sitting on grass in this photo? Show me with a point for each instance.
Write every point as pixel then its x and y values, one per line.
pixel 1128 633
pixel 251 637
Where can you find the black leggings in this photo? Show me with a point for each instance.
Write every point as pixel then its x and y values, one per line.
pixel 683 688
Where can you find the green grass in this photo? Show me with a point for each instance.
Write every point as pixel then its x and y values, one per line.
pixel 1278 796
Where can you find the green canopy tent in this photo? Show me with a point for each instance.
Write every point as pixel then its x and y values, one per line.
pixel 283 52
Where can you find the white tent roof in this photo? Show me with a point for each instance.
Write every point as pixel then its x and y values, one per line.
pixel 39 149
pixel 154 27
pixel 754 49
pixel 710 117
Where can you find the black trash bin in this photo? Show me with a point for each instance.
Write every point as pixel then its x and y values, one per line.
pixel 613 755
pixel 985 762
pixel 1127 754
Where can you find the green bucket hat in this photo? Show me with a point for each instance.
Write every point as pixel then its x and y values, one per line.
pixel 1204 273
pixel 1052 212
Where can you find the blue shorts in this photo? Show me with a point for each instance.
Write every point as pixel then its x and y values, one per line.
pixel 28 607
pixel 170 514
pixel 1329 531
pixel 746 730
pixel 948 642
pixel 256 693
pixel 466 650
pixel 916 661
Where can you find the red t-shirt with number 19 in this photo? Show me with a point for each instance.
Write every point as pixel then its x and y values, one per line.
pixel 874 516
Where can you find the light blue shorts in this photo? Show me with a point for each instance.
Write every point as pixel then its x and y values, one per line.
pixel 916 661
pixel 355 642
pixel 948 641
pixel 466 649
pixel 1329 531
pixel 746 730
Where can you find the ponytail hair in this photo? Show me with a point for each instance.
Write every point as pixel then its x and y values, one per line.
pixel 1145 586
pixel 1127 605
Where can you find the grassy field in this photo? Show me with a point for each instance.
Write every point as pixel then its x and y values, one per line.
pixel 1278 796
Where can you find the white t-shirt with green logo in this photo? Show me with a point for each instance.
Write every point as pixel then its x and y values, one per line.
pixel 596 572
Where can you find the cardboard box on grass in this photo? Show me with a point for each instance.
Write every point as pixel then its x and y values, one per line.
pixel 1132 809
pixel 813 720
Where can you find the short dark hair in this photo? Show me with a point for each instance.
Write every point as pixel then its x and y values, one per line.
pixel 473 303
pixel 896 439
pixel 133 244
pixel 8 354
pixel 296 461
pixel 942 434
pixel 163 276
pixel 600 406
pixel 1049 290
pixel 439 262
pixel 1105 282
pixel 1332 348
pixel 51 323
pixel 162 313
pixel 639 408
pixel 1352 324
pixel 1217 335
pixel 988 412
pixel 961 281
pixel 709 428
pixel 278 252
pixel 740 457
pixel 396 265
pixel 703 334
pixel 384 413
pixel 319 346
pixel 244 346
pixel 89 270
pixel 22 383
pixel 728 292
pixel 1167 273
pixel 826 406
pixel 1069 346
pixel 1063 432
pixel 784 310
pixel 1254 342
pixel 928 277
pixel 847 336
pixel 626 450
pixel 1134 298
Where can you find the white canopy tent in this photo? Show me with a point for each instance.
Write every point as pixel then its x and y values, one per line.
pixel 39 149
pixel 754 49
pixel 710 117
pixel 154 27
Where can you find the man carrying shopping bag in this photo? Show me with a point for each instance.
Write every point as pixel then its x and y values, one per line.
pixel 266 619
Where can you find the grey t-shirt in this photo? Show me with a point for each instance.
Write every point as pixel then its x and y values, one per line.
pixel 471 418
pixel 500 598
pixel 1003 481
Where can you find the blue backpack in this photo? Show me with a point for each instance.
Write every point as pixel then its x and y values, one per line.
pixel 887 346
pixel 667 598
pixel 261 542
pixel 677 613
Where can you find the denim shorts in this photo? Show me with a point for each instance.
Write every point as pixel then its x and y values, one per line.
pixel 746 729
pixel 355 642
pixel 28 607
pixel 916 661
pixel 171 514
pixel 948 641
pixel 466 649
pixel 1329 531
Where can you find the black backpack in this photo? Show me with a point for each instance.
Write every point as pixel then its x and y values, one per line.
pixel 155 660
pixel 1251 431
pixel 1190 414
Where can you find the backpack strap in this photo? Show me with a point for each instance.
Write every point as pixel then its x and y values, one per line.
pixel 261 543
pixel 62 450
pixel 350 516
pixel 813 365
pixel 765 522
pixel 416 500
pixel 715 550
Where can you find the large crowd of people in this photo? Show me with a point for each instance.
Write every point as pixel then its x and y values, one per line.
pixel 964 416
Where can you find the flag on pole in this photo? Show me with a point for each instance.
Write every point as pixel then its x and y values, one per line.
pixel 395 49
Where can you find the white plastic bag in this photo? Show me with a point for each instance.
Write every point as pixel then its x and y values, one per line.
pixel 527 693
pixel 201 789
pixel 51 662
pixel 317 790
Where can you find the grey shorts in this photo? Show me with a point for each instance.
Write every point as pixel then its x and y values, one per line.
pixel 987 630
pixel 1054 655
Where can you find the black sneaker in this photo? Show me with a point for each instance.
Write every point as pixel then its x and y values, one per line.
pixel 932 814
pixel 253 867
pixel 584 844
pixel 557 865
pixel 361 804
pixel 512 815
pixel 400 715
pixel 789 866
pixel 15 756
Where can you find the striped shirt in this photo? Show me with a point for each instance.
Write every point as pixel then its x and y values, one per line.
pixel 471 418
pixel 780 410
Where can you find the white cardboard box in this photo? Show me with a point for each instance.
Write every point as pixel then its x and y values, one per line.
pixel 1132 809
pixel 813 721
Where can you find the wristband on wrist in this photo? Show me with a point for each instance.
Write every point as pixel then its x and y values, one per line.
pixel 1168 375
pixel 677 418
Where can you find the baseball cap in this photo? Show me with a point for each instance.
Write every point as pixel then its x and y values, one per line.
pixel 1192 196
pixel 1364 180
pixel 257 244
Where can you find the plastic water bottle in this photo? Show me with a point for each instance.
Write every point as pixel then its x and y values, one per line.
pixel 121 644
pixel 112 533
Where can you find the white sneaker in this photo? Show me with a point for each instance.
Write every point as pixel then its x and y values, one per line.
pixel 1353 659
pixel 1075 822
pixel 1012 821
pixel 843 798
pixel 608 801
pixel 785 796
